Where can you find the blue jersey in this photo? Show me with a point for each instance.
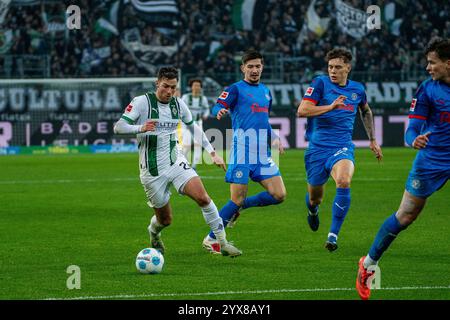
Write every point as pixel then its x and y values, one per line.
pixel 333 128
pixel 432 104
pixel 249 106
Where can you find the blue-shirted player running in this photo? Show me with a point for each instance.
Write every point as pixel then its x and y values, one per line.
pixel 331 103
pixel 429 132
pixel 248 102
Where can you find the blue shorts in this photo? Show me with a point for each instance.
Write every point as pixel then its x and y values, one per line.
pixel 423 182
pixel 239 173
pixel 320 161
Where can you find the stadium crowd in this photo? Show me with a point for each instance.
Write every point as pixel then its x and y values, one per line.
pixel 207 40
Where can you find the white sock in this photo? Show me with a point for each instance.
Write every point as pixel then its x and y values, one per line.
pixel 214 221
pixel 155 227
pixel 368 261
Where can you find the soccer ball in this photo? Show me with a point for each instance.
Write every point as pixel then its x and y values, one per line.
pixel 149 260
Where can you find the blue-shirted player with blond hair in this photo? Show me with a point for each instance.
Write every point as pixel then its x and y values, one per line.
pixel 330 104
pixel 429 132
pixel 249 102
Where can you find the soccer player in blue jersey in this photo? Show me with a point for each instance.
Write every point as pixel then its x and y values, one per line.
pixel 330 104
pixel 248 102
pixel 428 132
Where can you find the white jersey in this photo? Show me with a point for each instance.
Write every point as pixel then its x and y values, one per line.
pixel 157 149
pixel 198 106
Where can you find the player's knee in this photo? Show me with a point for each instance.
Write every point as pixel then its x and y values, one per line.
pixel 280 196
pixel 315 201
pixel 165 221
pixel 343 182
pixel 203 200
pixel 407 218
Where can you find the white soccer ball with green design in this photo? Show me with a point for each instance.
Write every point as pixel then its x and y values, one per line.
pixel 149 261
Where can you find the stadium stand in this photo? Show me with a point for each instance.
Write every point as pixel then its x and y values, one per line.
pixel 205 37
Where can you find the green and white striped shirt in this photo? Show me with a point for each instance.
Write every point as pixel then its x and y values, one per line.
pixel 157 149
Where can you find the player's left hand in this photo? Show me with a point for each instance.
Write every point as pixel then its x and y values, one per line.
pixel 376 150
pixel 218 161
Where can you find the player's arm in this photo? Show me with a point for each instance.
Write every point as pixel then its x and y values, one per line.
pixel 367 120
pixel 308 106
pixel 126 123
pixel 413 137
pixel 418 114
pixel 199 135
pixel 201 138
pixel 226 101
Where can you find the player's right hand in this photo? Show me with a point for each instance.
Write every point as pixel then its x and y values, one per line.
pixel 339 101
pixel 150 125
pixel 221 113
pixel 421 141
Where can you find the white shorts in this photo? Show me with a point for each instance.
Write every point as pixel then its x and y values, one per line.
pixel 157 188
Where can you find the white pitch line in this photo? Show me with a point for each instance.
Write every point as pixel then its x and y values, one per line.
pixel 56 181
pixel 193 294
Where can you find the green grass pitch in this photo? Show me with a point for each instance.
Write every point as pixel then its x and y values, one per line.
pixel 90 211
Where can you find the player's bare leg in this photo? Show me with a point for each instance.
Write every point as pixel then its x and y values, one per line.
pixel 275 186
pixel 161 219
pixel 342 174
pixel 195 190
pixel 409 209
pixel 313 199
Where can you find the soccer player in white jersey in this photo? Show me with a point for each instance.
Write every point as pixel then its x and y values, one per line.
pixel 199 107
pixel 154 118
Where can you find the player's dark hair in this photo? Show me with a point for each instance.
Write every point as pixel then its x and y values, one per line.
pixel 339 53
pixel 191 82
pixel 167 73
pixel 250 55
pixel 440 46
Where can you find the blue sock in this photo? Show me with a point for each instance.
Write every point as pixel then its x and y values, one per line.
pixel 227 211
pixel 387 233
pixel 341 204
pixel 310 207
pixel 260 200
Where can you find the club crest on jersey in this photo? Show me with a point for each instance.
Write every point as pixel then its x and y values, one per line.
pixel 309 91
pixel 239 174
pixel 354 96
pixel 223 95
pixel 413 105
pixel 128 108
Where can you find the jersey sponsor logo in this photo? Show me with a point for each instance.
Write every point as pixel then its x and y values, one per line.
pixel 445 117
pixel 128 108
pixel 257 108
pixel 223 95
pixel 309 91
pixel 347 107
pixel 413 105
